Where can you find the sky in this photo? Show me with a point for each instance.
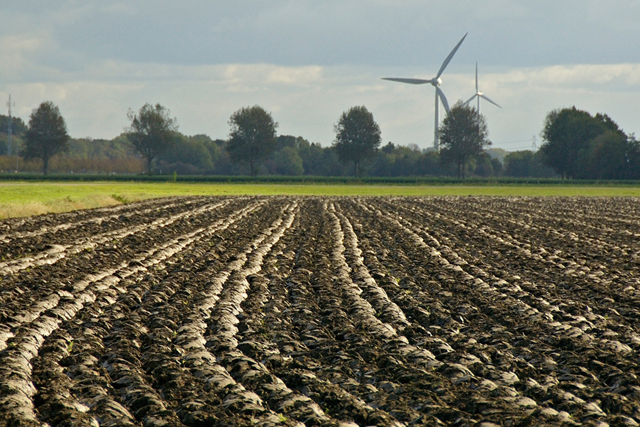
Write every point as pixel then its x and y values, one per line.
pixel 308 61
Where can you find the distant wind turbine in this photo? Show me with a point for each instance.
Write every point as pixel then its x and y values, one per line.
pixel 435 82
pixel 479 94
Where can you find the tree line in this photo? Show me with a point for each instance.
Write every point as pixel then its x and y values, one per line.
pixel 575 145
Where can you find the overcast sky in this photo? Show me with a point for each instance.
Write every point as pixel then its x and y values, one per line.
pixel 308 61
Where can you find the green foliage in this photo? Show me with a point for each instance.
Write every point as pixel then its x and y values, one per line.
pixel 296 142
pixel 320 161
pixel 18 126
pixel 16 144
pixel 496 166
pixel 484 165
pixel 87 148
pixel 288 161
pixel 526 163
pixel 152 132
pixel 567 133
pixel 213 147
pixel 397 160
pixel 610 155
pixel 463 136
pixel 252 138
pixel 121 199
pixel 188 155
pixel 497 153
pixel 297 156
pixel 46 136
pixel 357 137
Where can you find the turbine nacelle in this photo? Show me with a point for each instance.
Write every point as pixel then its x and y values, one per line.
pixel 479 94
pixel 435 82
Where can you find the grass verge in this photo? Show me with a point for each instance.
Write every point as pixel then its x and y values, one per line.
pixel 33 198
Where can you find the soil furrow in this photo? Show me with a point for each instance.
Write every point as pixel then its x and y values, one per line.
pixel 46 296
pixel 527 276
pixel 319 311
pixel 514 303
pixel 16 389
pixel 57 252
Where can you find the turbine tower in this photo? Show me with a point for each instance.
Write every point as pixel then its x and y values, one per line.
pixel 435 82
pixel 479 94
pixel 9 127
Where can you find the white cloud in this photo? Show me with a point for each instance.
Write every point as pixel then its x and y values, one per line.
pixel 308 61
pixel 307 101
pixel 16 52
pixel 579 75
pixel 299 76
pixel 332 32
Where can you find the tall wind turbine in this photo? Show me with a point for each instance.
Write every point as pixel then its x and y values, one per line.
pixel 479 94
pixel 435 82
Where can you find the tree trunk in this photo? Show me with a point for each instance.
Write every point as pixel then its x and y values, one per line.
pixel 149 161
pixel 355 169
pixel 45 165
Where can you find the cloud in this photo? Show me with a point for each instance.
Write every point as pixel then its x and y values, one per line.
pixel 308 61
pixel 299 76
pixel 16 52
pixel 576 75
pixel 307 100
pixel 332 32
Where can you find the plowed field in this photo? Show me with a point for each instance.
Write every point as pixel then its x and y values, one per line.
pixel 312 311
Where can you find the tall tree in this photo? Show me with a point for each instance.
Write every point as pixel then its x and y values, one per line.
pixel 252 137
pixel 46 136
pixel 357 137
pixel 18 127
pixel 568 132
pixel 288 161
pixel 152 132
pixel 526 163
pixel 609 156
pixel 463 135
pixel 188 156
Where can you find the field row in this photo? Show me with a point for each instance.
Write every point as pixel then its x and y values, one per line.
pixel 323 311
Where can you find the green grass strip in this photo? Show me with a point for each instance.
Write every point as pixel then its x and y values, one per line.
pixel 306 180
pixel 30 198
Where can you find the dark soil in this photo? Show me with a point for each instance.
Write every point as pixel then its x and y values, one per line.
pixel 323 312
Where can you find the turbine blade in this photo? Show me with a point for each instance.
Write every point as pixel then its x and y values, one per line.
pixel 453 52
pixel 443 99
pixel 470 99
pixel 410 81
pixel 485 97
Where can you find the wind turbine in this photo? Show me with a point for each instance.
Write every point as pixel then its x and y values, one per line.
pixel 435 82
pixel 479 94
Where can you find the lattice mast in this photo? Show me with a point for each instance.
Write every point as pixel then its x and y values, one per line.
pixel 9 126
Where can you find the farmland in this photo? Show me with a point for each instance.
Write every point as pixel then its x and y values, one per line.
pixel 350 311
pixel 35 198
